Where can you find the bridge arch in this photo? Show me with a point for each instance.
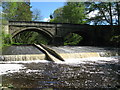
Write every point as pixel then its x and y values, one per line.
pixel 45 34
pixel 86 38
pixel 39 30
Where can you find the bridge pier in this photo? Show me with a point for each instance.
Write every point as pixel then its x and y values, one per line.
pixel 57 41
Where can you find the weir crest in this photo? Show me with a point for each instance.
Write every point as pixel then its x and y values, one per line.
pixel 42 52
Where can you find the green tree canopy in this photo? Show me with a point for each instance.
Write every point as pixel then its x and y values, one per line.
pixel 18 11
pixel 72 12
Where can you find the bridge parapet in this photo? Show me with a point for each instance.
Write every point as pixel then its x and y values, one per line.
pixel 29 23
pixel 46 24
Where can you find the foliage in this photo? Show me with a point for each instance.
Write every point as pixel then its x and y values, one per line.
pixel 52 20
pixel 18 11
pixel 30 38
pixel 104 13
pixel 72 39
pixel 6 39
pixel 72 12
pixel 57 16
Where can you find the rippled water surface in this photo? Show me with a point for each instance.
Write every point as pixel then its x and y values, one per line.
pixel 102 73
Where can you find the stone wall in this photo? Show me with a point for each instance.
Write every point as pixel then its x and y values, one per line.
pixel 92 35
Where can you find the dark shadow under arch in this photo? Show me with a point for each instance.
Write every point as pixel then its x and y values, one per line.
pixel 86 40
pixel 44 33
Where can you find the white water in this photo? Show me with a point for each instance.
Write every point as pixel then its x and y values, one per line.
pixel 91 60
pixel 10 68
pixel 15 66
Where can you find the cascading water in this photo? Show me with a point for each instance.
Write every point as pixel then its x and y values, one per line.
pixel 84 67
pixel 37 52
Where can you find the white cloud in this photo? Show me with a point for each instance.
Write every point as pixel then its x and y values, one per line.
pixel 46 19
pixel 93 13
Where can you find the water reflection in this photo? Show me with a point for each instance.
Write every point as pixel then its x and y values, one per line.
pixel 65 76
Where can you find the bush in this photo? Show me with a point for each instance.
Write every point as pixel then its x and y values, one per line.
pixel 6 39
pixel 72 39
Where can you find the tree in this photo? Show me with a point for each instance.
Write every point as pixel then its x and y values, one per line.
pixel 36 15
pixel 72 12
pixel 107 13
pixel 57 16
pixel 18 11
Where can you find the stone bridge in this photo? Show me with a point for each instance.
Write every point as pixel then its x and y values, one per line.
pixel 92 35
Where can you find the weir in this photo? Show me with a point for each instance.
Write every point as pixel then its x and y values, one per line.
pixel 42 52
pixel 47 54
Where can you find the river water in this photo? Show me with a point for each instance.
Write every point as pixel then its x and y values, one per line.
pixel 84 73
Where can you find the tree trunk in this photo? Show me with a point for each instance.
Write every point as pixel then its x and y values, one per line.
pixel 111 20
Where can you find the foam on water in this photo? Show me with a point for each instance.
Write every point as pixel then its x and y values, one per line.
pixel 67 61
pixel 10 68
pixel 15 66
pixel 90 60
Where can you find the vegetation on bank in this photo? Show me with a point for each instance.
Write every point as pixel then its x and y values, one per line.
pixel 104 13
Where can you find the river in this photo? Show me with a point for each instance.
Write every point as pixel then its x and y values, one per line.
pixel 74 73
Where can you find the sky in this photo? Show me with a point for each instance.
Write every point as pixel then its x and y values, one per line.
pixel 46 8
